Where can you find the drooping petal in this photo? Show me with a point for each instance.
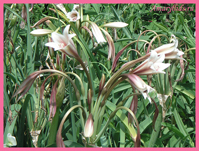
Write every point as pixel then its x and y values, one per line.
pixel 170 50
pixel 152 65
pixel 140 85
pixel 111 47
pixel 97 33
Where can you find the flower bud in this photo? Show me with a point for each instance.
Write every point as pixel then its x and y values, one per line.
pixel 60 93
pixel 89 127
pixel 102 82
pixel 57 62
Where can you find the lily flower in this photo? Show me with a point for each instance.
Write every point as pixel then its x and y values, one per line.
pixel 89 127
pixel 170 50
pixel 63 43
pixel 140 85
pixel 152 65
pixel 62 8
pixel 73 15
pixel 111 47
pixel 97 33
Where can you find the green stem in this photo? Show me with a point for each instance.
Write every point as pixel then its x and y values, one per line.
pixel 130 64
pixel 155 133
pixel 53 129
pixel 87 74
pixel 110 118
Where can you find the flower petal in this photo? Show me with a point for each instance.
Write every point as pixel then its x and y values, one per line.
pixel 54 45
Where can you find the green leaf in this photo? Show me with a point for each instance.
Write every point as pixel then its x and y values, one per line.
pixel 11 121
pixel 70 143
pixel 162 27
pixel 155 133
pixel 184 90
pixel 122 117
pixel 104 141
pixel 173 129
pixel 144 124
pixel 181 127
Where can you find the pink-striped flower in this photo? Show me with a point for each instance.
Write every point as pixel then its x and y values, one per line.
pixel 89 127
pixel 152 65
pixel 97 33
pixel 140 85
pixel 63 43
pixel 73 15
pixel 170 50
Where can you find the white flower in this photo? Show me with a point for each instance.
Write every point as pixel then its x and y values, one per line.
pixel 62 8
pixel 116 25
pixel 41 32
pixel 140 85
pixel 152 65
pixel 170 50
pixel 63 42
pixel 11 141
pixel 73 15
pixel 97 33
pixel 111 47
pixel 89 127
pixel 162 99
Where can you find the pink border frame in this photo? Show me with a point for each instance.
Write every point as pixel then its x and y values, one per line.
pixel 101 1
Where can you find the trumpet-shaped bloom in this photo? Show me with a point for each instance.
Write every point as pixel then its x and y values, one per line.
pixel 73 15
pixel 170 50
pixel 140 85
pixel 152 65
pixel 97 33
pixel 63 43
